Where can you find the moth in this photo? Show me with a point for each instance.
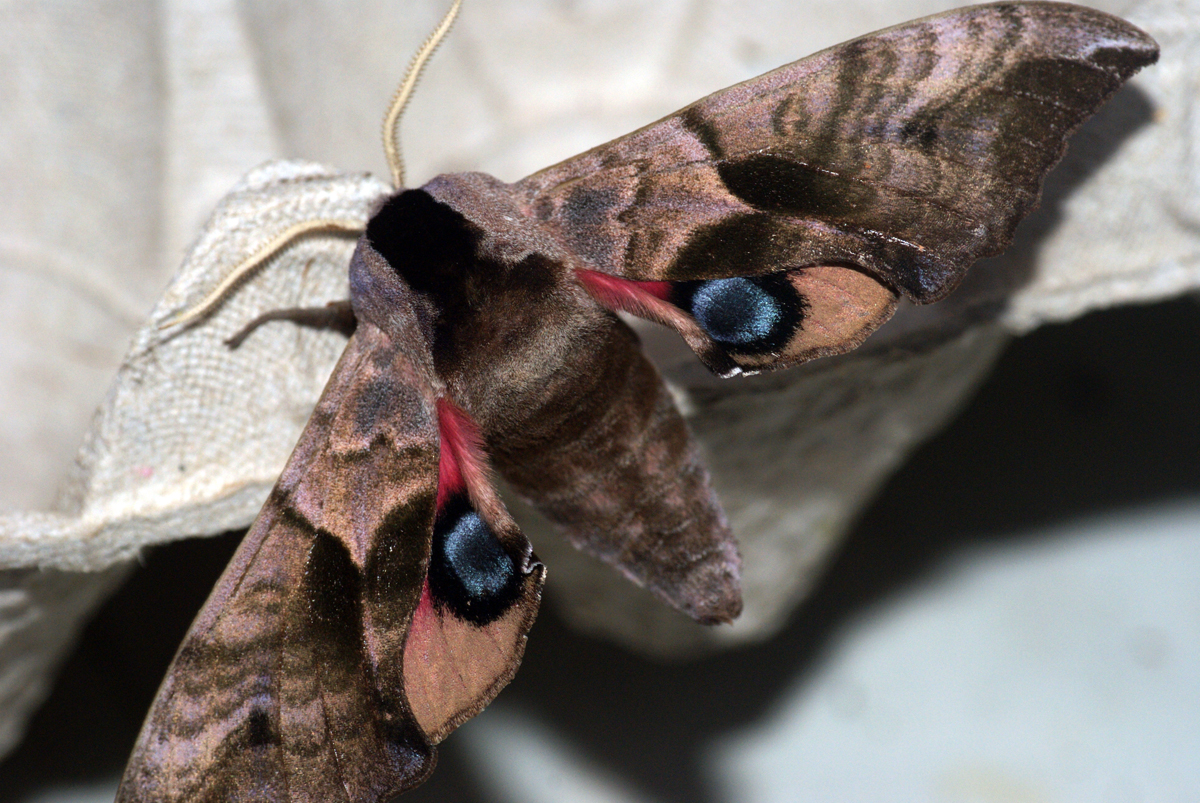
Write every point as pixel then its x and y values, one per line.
pixel 383 595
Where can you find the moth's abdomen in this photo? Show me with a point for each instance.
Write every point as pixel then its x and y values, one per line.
pixel 611 461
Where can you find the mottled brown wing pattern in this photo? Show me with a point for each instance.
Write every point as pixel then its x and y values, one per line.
pixel 293 683
pixel 906 154
pixel 276 692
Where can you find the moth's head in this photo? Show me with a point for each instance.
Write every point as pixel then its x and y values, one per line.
pixel 445 244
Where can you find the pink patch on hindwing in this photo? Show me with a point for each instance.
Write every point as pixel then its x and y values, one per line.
pixel 462 463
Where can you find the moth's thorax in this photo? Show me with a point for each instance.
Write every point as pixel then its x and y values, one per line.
pixel 507 324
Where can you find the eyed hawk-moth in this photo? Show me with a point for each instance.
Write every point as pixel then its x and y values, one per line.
pixel 383 595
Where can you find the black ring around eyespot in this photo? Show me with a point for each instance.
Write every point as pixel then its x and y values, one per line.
pixel 744 314
pixel 470 572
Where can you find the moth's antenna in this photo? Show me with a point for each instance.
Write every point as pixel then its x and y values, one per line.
pixel 260 256
pixel 391 123
pixel 391 148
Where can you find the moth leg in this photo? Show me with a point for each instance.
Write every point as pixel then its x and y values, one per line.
pixel 336 315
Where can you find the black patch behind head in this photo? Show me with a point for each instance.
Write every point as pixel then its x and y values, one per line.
pixel 470 572
pixel 473 299
pixel 413 231
pixel 744 315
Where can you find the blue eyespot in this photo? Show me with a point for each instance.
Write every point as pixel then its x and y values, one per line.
pixel 476 558
pixel 471 574
pixel 735 311
pixel 744 315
